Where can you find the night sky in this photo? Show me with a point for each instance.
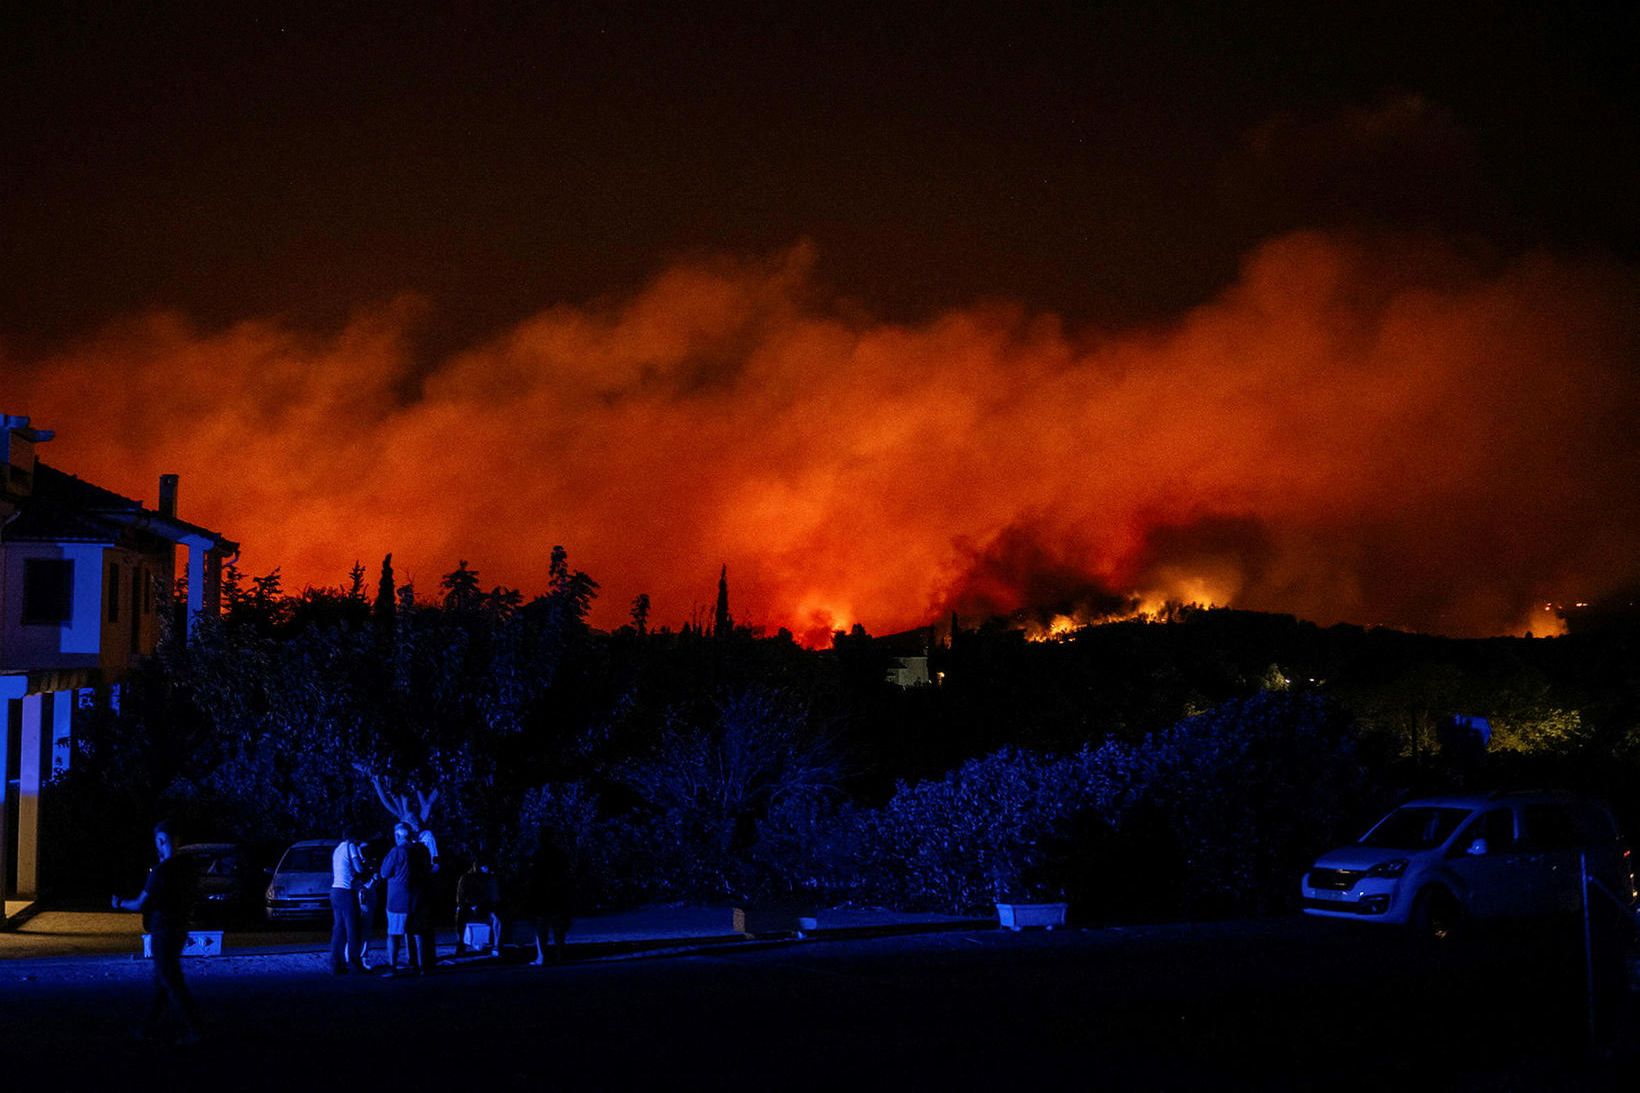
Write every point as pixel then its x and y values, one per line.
pixel 897 309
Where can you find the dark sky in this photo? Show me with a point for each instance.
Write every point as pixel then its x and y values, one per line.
pixel 1107 162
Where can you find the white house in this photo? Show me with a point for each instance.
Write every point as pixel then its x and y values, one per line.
pixel 84 577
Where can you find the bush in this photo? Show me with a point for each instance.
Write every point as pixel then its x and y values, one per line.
pixel 1236 800
pixel 1251 791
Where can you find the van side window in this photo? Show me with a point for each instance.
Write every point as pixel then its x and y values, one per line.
pixel 1548 827
pixel 1498 829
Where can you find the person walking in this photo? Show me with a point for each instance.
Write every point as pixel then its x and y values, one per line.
pixel 548 897
pixel 163 903
pixel 347 876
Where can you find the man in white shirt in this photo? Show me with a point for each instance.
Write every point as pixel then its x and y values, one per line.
pixel 347 875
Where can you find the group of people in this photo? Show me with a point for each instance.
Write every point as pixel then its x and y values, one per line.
pixel 408 873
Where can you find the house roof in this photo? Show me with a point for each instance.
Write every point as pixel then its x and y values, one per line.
pixel 63 508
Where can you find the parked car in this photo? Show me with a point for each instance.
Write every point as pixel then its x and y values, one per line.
pixel 300 885
pixel 225 884
pixel 1437 862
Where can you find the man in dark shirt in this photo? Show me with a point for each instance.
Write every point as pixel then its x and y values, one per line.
pixel 405 870
pixel 164 902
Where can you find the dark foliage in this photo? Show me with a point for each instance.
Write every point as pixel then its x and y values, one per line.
pixel 1141 769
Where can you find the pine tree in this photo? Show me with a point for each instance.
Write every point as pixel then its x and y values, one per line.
pixel 269 590
pixel 384 610
pixel 355 582
pixel 461 591
pixel 640 614
pixel 233 587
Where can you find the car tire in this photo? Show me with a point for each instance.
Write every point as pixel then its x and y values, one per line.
pixel 1436 916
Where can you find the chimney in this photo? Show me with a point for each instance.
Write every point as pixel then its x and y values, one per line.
pixel 17 441
pixel 168 495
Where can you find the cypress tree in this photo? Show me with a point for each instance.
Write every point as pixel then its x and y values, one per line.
pixel 722 624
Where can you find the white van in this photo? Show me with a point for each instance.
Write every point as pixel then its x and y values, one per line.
pixel 1437 861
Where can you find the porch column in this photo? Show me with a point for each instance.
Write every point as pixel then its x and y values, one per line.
pixel 204 579
pixel 30 759
pixel 11 690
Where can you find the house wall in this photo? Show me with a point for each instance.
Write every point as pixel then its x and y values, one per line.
pixel 88 639
pixel 137 601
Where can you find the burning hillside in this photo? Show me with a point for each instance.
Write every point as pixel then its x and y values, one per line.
pixel 1380 432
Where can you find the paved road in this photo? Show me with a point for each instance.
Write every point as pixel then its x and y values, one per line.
pixel 1277 1004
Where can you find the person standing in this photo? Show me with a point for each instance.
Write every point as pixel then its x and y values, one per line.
pixel 425 854
pixel 369 891
pixel 425 837
pixel 397 870
pixel 347 875
pixel 163 903
pixel 478 898
pixel 422 868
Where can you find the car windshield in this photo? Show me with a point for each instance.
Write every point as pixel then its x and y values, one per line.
pixel 307 859
pixel 1415 828
pixel 213 863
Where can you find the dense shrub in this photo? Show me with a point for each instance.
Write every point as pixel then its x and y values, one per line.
pixel 975 835
pixel 707 790
pixel 1250 792
pixel 1236 800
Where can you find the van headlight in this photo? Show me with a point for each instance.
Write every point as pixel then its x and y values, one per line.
pixel 1388 868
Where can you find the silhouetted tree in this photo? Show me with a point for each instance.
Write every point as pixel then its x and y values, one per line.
pixel 355 582
pixel 640 613
pixel 461 591
pixel 722 624
pixel 386 605
pixel 500 603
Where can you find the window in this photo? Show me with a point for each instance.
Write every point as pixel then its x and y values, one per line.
pixel 1497 827
pixel 1549 827
pixel 1418 828
pixel 114 593
pixel 307 859
pixel 48 591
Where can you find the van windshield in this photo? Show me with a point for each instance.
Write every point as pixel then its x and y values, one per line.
pixel 1415 828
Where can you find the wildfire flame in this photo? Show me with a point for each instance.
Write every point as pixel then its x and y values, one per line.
pixel 1353 430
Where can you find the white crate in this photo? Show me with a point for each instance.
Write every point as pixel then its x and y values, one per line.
pixel 1020 916
pixel 199 943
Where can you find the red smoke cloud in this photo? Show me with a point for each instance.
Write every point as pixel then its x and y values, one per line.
pixel 1365 431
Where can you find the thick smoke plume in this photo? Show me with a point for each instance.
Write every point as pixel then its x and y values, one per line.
pixel 1383 433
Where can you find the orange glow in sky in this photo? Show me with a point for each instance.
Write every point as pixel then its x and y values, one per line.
pixel 1371 431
